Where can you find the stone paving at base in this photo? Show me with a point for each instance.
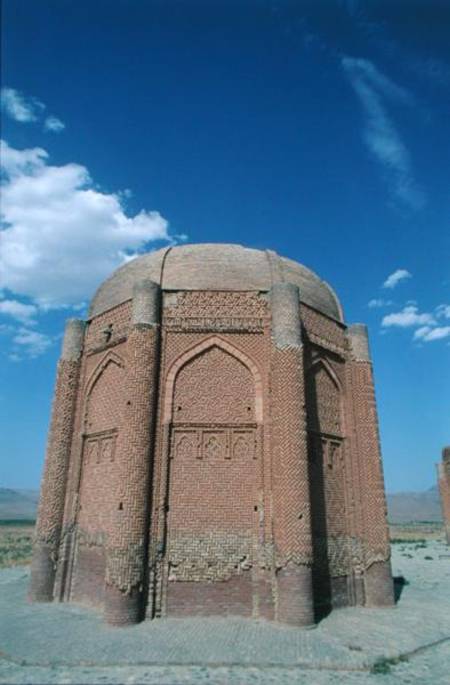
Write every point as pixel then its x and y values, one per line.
pixel 69 644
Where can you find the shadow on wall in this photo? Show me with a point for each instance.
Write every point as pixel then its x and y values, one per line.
pixel 321 570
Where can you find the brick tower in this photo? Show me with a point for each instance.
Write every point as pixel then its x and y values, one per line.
pixel 444 490
pixel 213 448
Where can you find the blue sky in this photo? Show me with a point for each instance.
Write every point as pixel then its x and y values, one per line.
pixel 319 130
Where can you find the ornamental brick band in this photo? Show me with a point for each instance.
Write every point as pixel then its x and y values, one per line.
pixel 214 447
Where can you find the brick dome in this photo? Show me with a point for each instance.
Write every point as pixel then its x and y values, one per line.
pixel 216 266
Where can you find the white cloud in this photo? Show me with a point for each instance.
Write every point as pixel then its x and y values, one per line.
pixel 393 279
pixel 379 302
pixel 17 310
pixel 409 316
pixel 54 124
pixel 428 334
pixel 32 343
pixel 61 236
pixel 28 109
pixel 19 108
pixel 380 134
pixel 443 311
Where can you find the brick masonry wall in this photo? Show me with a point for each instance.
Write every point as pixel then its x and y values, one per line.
pixel 444 490
pixel 92 470
pixel 328 479
pixel 214 442
pixel 127 538
pixel 375 551
pixel 223 501
pixel 53 487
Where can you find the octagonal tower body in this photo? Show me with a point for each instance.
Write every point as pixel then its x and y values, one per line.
pixel 214 447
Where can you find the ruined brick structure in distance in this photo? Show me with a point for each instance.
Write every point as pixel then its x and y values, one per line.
pixel 213 447
pixel 444 490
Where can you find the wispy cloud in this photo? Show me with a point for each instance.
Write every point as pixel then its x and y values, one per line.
pixel 28 109
pixel 377 303
pixel 54 124
pixel 18 310
pixel 380 135
pixel 427 334
pixel 18 107
pixel 443 311
pixel 30 343
pixel 394 278
pixel 407 317
pixel 428 324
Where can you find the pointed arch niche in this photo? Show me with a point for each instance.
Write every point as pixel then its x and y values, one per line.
pixel 104 395
pixel 323 399
pixel 216 370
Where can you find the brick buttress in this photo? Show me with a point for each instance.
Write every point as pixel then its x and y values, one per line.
pixel 127 541
pixel 444 490
pixel 292 525
pixel 53 487
pixel 378 586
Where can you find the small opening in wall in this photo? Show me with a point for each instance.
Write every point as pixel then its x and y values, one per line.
pixel 178 408
pixel 120 506
pixel 129 402
pixel 108 332
pixel 255 508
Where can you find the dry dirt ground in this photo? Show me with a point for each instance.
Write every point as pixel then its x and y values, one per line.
pixel 15 543
pixel 409 644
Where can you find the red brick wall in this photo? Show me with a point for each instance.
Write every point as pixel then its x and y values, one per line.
pixel 444 490
pixel 215 492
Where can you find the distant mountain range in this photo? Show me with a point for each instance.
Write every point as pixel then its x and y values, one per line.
pixel 409 507
pixel 18 504
pixel 403 507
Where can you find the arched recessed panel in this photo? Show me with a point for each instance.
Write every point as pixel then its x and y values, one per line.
pixel 323 400
pixel 214 387
pixel 247 366
pixel 104 396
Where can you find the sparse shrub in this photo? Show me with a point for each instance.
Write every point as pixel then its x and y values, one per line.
pixel 384 665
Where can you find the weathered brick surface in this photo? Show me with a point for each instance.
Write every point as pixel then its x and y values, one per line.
pixel 223 462
pixel 127 537
pixel 444 490
pixel 53 488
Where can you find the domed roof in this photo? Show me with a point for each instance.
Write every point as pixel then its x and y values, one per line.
pixel 215 266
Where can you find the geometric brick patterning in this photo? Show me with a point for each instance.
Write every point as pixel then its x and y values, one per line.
pixel 444 490
pixel 214 447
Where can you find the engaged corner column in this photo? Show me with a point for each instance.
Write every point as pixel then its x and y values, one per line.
pixel 444 490
pixel 127 539
pixel 378 584
pixel 53 487
pixel 292 522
